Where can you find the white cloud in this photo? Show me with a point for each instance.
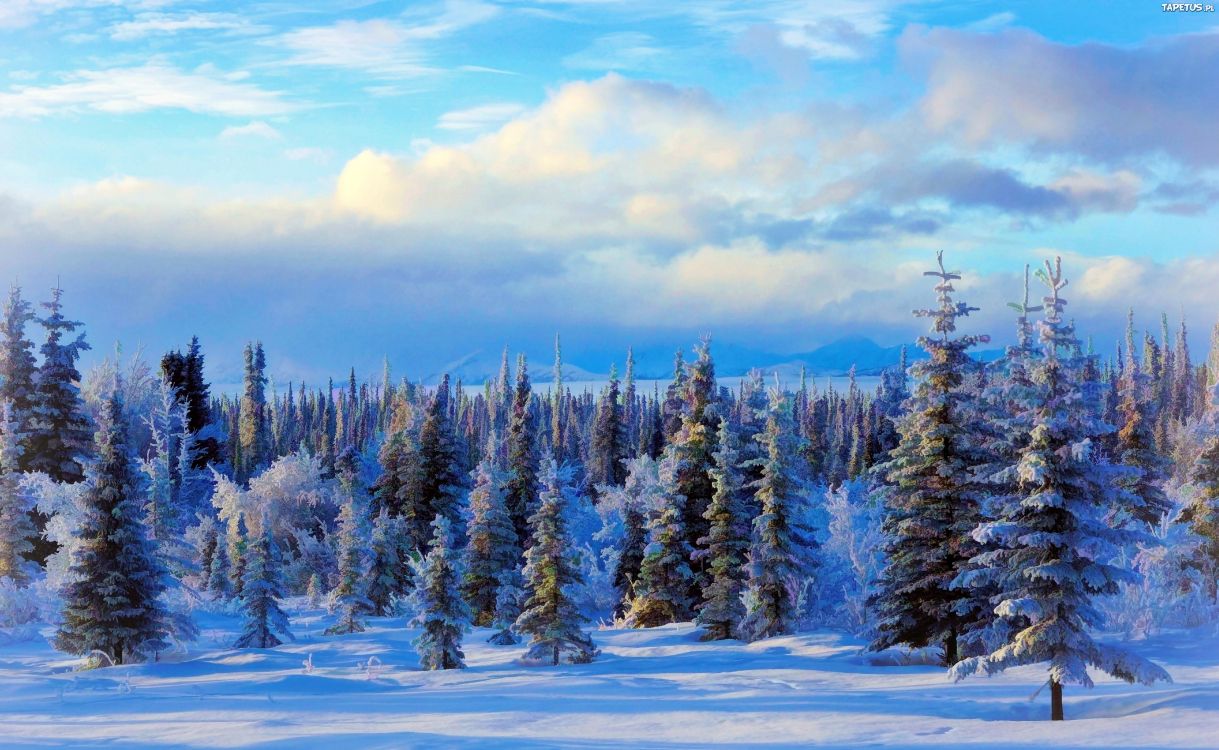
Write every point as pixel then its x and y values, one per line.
pixel 480 117
pixel 628 50
pixel 254 129
pixel 155 85
pixel 149 24
pixel 308 153
pixel 381 47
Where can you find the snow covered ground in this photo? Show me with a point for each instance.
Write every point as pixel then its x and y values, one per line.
pixel 659 688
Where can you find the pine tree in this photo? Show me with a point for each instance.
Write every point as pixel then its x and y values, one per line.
pixel 59 429
pixel 185 373
pixel 237 543
pixel 520 489
pixel 1136 449
pixel 662 590
pixel 388 576
pixel 18 370
pixel 630 558
pixel 606 450
pixel 726 545
pixel 113 603
pixel 491 544
pixel 1051 541
pixel 550 618
pixel 1203 511
pixel 253 422
pixel 933 499
pixel 443 614
pixel 779 538
pixel 16 525
pixel 219 574
pixel 265 623
pixel 440 481
pixel 348 596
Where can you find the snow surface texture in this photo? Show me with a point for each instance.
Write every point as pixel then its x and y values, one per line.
pixel 657 688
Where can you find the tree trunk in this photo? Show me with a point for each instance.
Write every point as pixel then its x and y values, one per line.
pixel 950 649
pixel 1055 700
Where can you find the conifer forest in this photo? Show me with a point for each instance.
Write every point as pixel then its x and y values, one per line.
pixel 609 375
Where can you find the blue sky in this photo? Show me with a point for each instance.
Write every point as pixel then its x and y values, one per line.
pixel 347 180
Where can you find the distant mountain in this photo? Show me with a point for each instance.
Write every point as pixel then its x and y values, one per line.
pixel 656 362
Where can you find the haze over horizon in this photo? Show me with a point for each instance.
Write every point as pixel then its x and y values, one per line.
pixel 425 181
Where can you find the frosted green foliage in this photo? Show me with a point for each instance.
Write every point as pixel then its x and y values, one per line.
pixel 1051 542
pixel 388 574
pixel 726 545
pixel 266 625
pixel 442 613
pixel 491 544
pixel 113 603
pixel 16 528
pixel 661 592
pixel 550 617
pixel 348 597
pixel 777 552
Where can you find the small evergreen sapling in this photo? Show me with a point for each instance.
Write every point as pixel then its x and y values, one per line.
pixel 442 613
pixel 550 617
pixel 348 596
pixel 265 623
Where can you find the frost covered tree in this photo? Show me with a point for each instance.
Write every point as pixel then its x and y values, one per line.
pixel 776 553
pixel 442 613
pixel 550 617
pixel 606 448
pixel 254 441
pixel 113 604
pixel 219 574
pixel 18 369
pixel 933 497
pixel 661 591
pixel 520 485
pixel 388 575
pixel 16 526
pixel 726 545
pixel 1136 449
pixel 266 625
pixel 348 597
pixel 1051 541
pixel 1202 513
pixel 491 544
pixel 59 429
pixel 440 486
pixel 692 448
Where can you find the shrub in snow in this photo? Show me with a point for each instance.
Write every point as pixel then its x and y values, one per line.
pixel 442 613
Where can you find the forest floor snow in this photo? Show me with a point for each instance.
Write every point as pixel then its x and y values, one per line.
pixel 656 688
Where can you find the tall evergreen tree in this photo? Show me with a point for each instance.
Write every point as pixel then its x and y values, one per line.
pixel 1052 542
pixel 253 422
pixel 1137 450
pixel 59 429
pixel 780 540
pixel 491 544
pixel 266 625
pixel 16 525
pixel 112 604
pixel 443 614
pixel 18 370
pixel 933 498
pixel 185 373
pixel 606 450
pixel 520 487
pixel 1202 514
pixel 692 449
pixel 550 617
pixel 388 576
pixel 662 590
pixel 348 596
pixel 440 488
pixel 726 545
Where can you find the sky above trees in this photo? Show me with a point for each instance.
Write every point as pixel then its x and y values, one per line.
pixel 348 179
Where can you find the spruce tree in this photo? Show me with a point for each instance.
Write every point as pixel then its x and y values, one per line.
pixel 550 617
pixel 442 614
pixel 440 488
pixel 726 546
pixel 933 499
pixel 1051 541
pixel 491 544
pixel 253 421
pixel 520 488
pixel 662 590
pixel 16 525
pixel 112 604
pixel 59 429
pixel 18 370
pixel 634 545
pixel 265 623
pixel 1202 513
pixel 780 540
pixel 692 448
pixel 348 596
pixel 388 576
pixel 606 450
pixel 1136 449
pixel 219 574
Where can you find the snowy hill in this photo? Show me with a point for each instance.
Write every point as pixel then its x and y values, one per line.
pixel 658 688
